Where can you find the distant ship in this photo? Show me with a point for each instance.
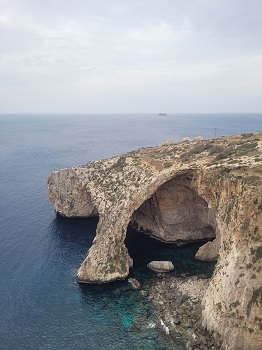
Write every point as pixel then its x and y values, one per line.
pixel 161 114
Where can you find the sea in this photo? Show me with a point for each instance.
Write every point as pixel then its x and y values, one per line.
pixel 42 306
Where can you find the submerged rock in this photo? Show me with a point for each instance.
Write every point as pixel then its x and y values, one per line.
pixel 134 283
pixel 161 266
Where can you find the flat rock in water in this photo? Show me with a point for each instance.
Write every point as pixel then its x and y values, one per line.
pixel 161 266
pixel 134 283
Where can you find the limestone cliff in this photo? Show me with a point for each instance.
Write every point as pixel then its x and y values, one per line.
pixel 188 191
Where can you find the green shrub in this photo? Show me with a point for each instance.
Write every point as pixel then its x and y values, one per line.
pixel 247 135
pixel 255 299
pixel 251 179
pixel 216 149
pixel 245 148
pixel 219 306
pixel 167 165
pixel 225 153
pixel 257 253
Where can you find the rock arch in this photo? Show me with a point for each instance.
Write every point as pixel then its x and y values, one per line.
pixel 227 188
pixel 176 213
pixel 180 214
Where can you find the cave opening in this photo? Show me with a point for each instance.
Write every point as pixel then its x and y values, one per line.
pixel 143 249
pixel 171 225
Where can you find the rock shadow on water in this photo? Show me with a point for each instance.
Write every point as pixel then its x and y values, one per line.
pixel 143 249
pixel 74 235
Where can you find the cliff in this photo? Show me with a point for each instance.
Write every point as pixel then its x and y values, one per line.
pixel 181 192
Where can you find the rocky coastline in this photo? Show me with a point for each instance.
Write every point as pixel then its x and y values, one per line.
pixel 190 191
pixel 177 311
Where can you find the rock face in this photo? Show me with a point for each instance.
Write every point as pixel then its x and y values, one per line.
pixel 192 190
pixel 74 200
pixel 161 266
pixel 175 213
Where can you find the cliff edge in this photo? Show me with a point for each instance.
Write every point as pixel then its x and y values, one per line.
pixel 180 192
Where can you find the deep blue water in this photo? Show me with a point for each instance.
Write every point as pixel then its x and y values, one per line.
pixel 41 304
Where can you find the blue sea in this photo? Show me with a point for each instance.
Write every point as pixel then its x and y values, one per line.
pixel 41 304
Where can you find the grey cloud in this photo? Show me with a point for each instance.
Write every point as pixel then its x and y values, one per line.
pixel 145 47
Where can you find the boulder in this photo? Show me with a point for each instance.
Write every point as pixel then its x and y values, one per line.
pixel 161 266
pixel 208 252
pixel 134 283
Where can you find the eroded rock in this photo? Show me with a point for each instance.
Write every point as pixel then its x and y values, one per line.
pixel 68 193
pixel 214 184
pixel 134 283
pixel 161 266
pixel 175 213
pixel 208 251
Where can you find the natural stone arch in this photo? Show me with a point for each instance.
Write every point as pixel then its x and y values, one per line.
pixel 229 182
pixel 176 213
pixel 108 258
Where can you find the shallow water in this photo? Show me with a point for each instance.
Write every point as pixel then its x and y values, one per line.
pixel 41 304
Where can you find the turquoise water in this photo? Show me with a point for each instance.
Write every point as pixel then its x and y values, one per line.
pixel 41 304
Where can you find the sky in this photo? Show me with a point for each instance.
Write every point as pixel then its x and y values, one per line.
pixel 130 56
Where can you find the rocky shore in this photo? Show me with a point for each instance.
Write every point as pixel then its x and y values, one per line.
pixel 177 311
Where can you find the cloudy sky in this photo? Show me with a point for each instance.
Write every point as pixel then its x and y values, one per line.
pixel 96 56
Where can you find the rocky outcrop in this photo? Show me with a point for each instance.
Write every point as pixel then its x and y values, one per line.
pixel 192 190
pixel 208 251
pixel 177 302
pixel 74 200
pixel 161 266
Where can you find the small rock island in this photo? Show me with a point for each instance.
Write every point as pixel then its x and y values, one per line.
pixel 182 192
